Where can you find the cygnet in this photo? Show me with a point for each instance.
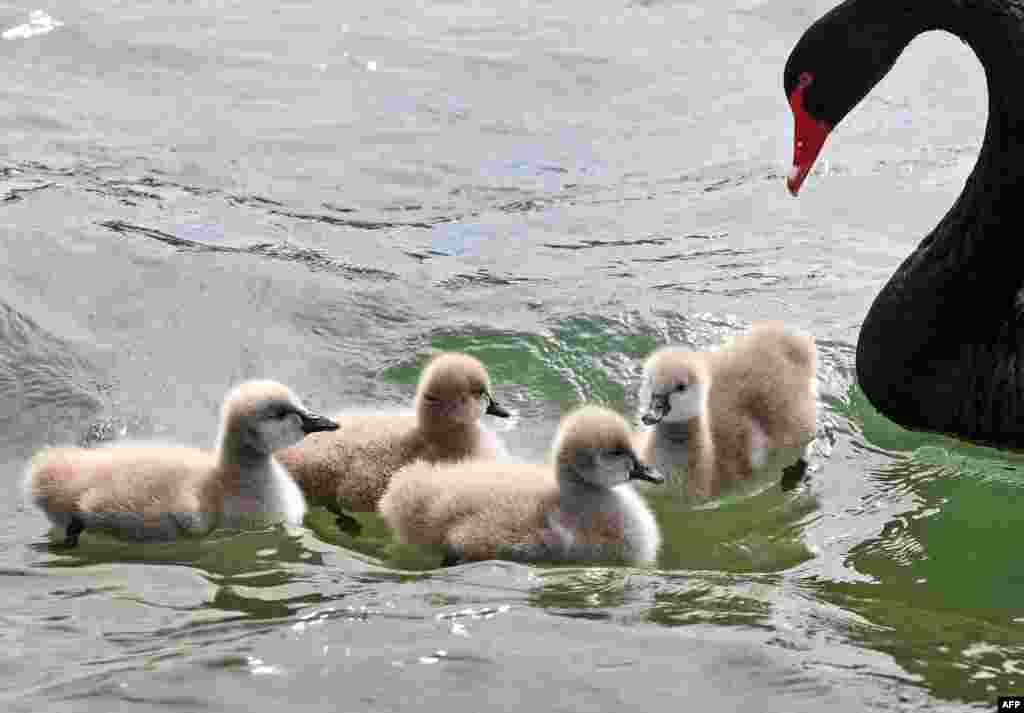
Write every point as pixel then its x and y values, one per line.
pixel 721 416
pixel 146 492
pixel 581 508
pixel 350 469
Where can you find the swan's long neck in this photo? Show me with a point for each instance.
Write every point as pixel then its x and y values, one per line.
pixel 995 31
pixel 873 34
pixel 966 240
pixel 938 350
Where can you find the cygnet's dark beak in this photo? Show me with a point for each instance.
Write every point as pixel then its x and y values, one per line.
pixel 496 409
pixel 311 423
pixel 645 472
pixel 657 410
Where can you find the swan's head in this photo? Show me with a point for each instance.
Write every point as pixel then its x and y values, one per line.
pixel 262 416
pixel 833 66
pixel 594 445
pixel 674 386
pixel 455 389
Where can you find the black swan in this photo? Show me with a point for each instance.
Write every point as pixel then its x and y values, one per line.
pixel 941 347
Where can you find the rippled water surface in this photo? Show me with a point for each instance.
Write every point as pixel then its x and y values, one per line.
pixel 196 193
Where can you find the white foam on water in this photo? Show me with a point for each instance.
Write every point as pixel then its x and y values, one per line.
pixel 39 23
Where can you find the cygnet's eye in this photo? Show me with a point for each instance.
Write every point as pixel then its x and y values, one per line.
pixel 681 387
pixel 618 453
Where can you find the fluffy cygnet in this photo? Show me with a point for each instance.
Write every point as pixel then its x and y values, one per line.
pixel 581 508
pixel 721 416
pixel 154 493
pixel 350 469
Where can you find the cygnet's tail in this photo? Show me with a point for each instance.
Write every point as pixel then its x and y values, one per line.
pixel 48 484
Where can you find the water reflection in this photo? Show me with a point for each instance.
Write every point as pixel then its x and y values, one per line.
pixel 589 593
pixel 223 554
pixel 712 599
pixel 757 533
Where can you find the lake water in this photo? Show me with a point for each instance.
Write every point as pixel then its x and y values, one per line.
pixel 322 193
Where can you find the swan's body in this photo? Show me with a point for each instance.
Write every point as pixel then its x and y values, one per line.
pixel 719 417
pixel 350 469
pixel 942 345
pixel 157 493
pixel 581 508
